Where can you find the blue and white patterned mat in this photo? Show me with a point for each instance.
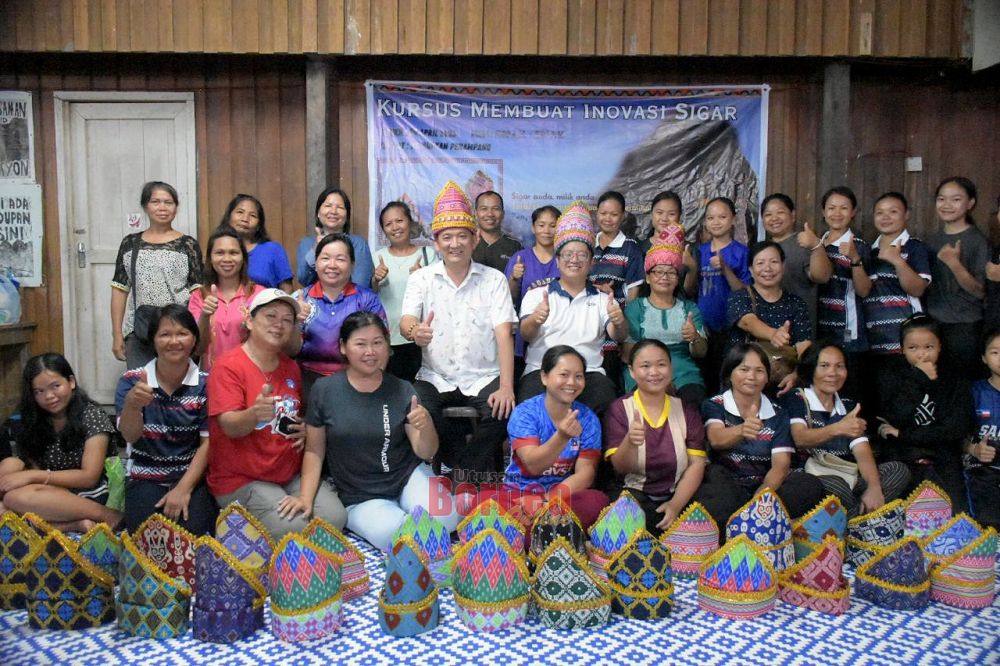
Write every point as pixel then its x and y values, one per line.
pixel 865 635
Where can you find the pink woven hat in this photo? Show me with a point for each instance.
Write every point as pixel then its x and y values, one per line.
pixel 575 225
pixel 452 210
pixel 666 249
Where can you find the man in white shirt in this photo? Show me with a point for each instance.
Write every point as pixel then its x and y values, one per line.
pixel 460 313
pixel 570 311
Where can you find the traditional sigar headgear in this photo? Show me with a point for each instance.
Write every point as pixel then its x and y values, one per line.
pixel 640 579
pixel 614 528
pixel 102 547
pixel 17 538
pixel 63 589
pixel 230 601
pixel 869 534
pixel 574 224
pixel 896 577
pixel 409 603
pixel 817 581
pixel 666 249
pixel 245 537
pixel 354 580
pixel 491 583
pixel 151 603
pixel 737 581
pixel 927 508
pixel 432 536
pixel 565 593
pixel 452 210
pixel 963 559
pixel 692 537
pixel 489 515
pixel 306 597
pixel 827 518
pixel 764 520
pixel 554 521
pixel 168 545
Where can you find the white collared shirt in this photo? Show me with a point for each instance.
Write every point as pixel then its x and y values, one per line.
pixel 580 321
pixel 463 352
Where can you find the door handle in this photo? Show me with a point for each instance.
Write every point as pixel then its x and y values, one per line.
pixel 81 255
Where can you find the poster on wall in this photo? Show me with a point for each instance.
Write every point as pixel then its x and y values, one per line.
pixel 17 154
pixel 21 232
pixel 539 145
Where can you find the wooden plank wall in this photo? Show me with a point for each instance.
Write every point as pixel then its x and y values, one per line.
pixel 831 28
pixel 250 118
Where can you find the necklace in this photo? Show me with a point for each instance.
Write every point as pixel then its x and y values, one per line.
pixel 260 366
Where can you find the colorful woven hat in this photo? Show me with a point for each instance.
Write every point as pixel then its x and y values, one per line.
pixel 17 538
pixel 927 508
pixel 764 520
pixel 827 518
pixel 737 581
pixel 102 547
pixel 354 580
pixel 41 526
pixel 168 545
pixel 692 537
pixel 452 210
pixel 432 536
pixel 151 603
pixel 305 590
pixel 229 605
pixel 246 537
pixel 575 224
pixel 489 515
pixel 565 593
pixel 869 534
pixel 950 538
pixel 817 581
pixel 63 589
pixel 966 578
pixel 409 603
pixel 556 520
pixel 895 578
pixel 666 249
pixel 640 579
pixel 491 583
pixel 614 528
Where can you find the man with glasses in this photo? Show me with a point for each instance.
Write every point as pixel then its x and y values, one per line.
pixel 570 311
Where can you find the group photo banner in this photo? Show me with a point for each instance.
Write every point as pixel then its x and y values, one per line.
pixel 539 145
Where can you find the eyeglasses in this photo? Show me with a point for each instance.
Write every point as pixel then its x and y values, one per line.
pixel 662 275
pixel 574 256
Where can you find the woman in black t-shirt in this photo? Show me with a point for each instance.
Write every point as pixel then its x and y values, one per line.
pixel 374 437
pixel 59 471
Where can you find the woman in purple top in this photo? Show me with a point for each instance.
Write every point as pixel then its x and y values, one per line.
pixel 326 305
pixel 533 266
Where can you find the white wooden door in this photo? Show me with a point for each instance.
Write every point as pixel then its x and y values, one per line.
pixel 108 146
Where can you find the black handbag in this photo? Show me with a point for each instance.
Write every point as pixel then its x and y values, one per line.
pixel 142 315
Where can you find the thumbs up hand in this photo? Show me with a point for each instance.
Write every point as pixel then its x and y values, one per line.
pixel 418 416
pixel 141 393
pixel 949 254
pixel 423 333
pixel 782 336
pixel 751 427
pixel 807 238
pixel 417 266
pixel 852 425
pixel 849 250
pixel 637 429
pixel 381 271
pixel 305 307
pixel 517 272
pixel 263 406
pixel 211 302
pixel 688 258
pixel 541 312
pixel 689 332
pixel 615 313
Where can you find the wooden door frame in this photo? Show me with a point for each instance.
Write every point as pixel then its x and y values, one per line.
pixel 67 246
